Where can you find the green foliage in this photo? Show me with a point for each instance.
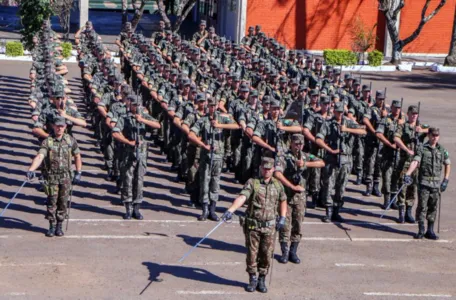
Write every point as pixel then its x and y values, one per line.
pixel 67 47
pixel 340 57
pixel 375 58
pixel 33 13
pixel 14 49
pixel 363 37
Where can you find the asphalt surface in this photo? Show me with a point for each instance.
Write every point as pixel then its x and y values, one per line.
pixel 105 257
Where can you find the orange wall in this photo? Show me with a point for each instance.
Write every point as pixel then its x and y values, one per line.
pixel 436 34
pixel 323 24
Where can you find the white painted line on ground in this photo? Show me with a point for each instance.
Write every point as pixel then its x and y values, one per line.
pixel 33 264
pixel 208 293
pixel 349 265
pixel 407 295
pixel 395 240
pixel 215 263
pixel 3 236
pixel 14 294
pixel 113 237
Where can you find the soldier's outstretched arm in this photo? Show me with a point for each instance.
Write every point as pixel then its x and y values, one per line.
pixel 291 129
pixel 78 162
pixel 36 162
pixel 39 132
pixel 368 124
pixel 412 167
pixel 238 202
pixel 308 135
pixel 286 182
pixel 385 141
pixel 323 145
pixel 315 164
pixel 358 131
pixel 401 145
pixel 194 139
pixel 118 136
pixel 259 141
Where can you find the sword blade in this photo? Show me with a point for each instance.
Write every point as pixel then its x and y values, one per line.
pixel 14 197
pixel 392 201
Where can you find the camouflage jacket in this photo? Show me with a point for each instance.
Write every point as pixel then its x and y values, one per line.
pixel 431 162
pixel 58 154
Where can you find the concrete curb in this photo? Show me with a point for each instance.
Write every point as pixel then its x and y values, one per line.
pixel 72 59
pixel 442 69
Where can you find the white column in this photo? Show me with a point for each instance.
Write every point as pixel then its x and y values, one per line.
pixel 388 47
pixel 83 12
pixel 242 20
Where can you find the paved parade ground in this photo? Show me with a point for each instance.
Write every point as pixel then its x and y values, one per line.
pixel 103 256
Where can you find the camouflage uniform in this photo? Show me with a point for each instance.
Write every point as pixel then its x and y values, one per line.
pixel 371 159
pixel 263 200
pixel 57 174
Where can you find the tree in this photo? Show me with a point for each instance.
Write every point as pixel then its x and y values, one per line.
pixel 62 8
pixel 33 13
pixel 450 60
pixel 363 37
pixel 180 8
pixel 391 10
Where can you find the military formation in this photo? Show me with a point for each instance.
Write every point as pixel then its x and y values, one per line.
pixel 287 127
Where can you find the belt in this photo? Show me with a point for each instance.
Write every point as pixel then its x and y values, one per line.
pixel 429 178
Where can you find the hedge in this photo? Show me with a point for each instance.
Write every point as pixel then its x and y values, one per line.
pixel 375 58
pixel 340 57
pixel 67 47
pixel 14 49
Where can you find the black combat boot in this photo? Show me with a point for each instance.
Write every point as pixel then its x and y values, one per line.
pixel 59 231
pixel 262 284
pixel 118 186
pixel 293 256
pixel 253 282
pixel 329 213
pixel 110 175
pixel 314 202
pixel 284 258
pixel 51 231
pixel 420 233
pixel 376 191
pixel 430 234
pixel 359 179
pixel 128 212
pixel 368 191
pixel 205 213
pixel 136 213
pixel 386 199
pixel 335 216
pixel 408 215
pixel 212 215
pixel 401 219
pixel 394 205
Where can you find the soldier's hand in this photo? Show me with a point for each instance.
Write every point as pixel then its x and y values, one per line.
pixel 343 128
pixel 393 146
pixel 62 113
pixel 227 216
pixel 139 118
pixel 408 179
pixel 335 151
pixel 30 175
pixel 77 178
pixel 419 129
pixel 132 143
pixel 410 152
pixel 300 163
pixel 298 189
pixel 444 185
pixel 280 223
pixel 35 118
pixel 214 123
pixel 207 147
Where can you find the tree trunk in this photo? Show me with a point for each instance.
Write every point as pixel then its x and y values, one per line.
pixel 162 12
pixel 124 12
pixel 181 18
pixel 138 15
pixel 450 60
pixel 396 56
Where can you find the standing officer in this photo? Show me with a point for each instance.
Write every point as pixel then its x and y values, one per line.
pixel 289 171
pixel 336 138
pixel 57 151
pixel 429 159
pixel 265 197
pixel 130 131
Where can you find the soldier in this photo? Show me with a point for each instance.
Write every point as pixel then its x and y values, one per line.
pixel 201 35
pixel 265 197
pixel 336 138
pixel 372 164
pixel 289 171
pixel 57 151
pixel 430 159
pixel 207 133
pixel 390 154
pixel 158 35
pixel 130 131
pixel 407 138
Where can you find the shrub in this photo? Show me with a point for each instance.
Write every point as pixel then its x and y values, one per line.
pixel 67 47
pixel 14 49
pixel 340 57
pixel 375 58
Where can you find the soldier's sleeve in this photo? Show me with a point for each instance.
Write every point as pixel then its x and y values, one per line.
pixel 44 148
pixel 247 190
pixel 419 154
pixel 381 126
pixel 180 112
pixel 399 131
pixel 75 114
pixel 352 124
pixel 309 122
pixel 260 129
pixel 196 128
pixel 74 147
pixel 148 117
pixel 321 134
pixel 252 123
pixel 119 125
pixel 189 120
pixel 446 157
pixel 282 195
pixel 41 121
pixel 280 164
pixel 368 114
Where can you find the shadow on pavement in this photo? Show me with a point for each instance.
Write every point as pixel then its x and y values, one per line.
pixel 13 223
pixel 212 244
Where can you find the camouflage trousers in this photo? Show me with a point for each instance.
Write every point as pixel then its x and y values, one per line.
pixel 192 184
pixel 132 173
pixel 334 178
pixel 259 244
pixel 408 194
pixel 247 157
pixel 390 176
pixel 58 195
pixel 292 232
pixel 372 164
pixel 314 179
pixel 358 155
pixel 428 201
pixel 236 149
pixel 210 179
